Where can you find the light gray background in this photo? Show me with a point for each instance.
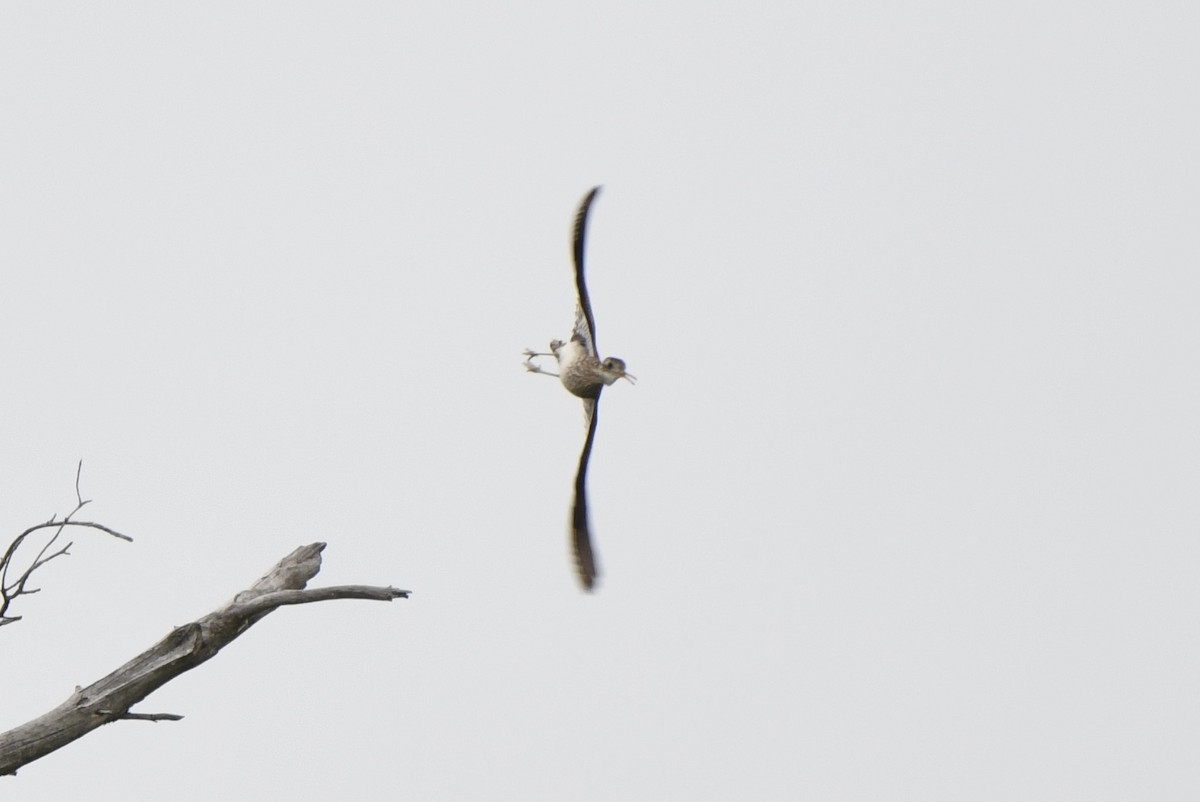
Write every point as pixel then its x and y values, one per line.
pixel 904 506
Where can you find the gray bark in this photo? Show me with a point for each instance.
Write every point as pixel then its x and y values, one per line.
pixel 186 647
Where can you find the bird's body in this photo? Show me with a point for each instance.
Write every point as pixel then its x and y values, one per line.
pixel 584 374
pixel 577 369
pixel 581 372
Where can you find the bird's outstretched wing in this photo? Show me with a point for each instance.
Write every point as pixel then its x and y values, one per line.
pixel 585 324
pixel 581 538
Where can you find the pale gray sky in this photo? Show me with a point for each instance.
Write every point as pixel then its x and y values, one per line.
pixel 904 505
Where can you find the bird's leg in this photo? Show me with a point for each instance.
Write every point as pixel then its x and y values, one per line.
pixel 531 367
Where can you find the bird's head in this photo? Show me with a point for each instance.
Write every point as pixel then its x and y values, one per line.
pixel 613 369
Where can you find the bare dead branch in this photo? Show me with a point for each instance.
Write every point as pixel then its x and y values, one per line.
pixel 64 523
pixel 279 598
pixel 144 716
pixel 79 502
pixel 19 585
pixel 110 698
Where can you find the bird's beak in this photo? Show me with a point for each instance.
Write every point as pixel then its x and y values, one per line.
pixel 632 379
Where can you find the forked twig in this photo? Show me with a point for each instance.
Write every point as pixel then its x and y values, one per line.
pixel 18 586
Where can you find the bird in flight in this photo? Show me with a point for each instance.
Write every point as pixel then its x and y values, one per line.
pixel 584 374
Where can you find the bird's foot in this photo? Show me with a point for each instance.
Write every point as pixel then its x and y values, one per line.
pixel 530 366
pixel 535 368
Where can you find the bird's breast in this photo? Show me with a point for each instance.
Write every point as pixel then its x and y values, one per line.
pixel 569 355
pixel 576 371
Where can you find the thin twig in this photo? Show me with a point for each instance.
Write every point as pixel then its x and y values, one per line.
pixel 78 495
pixel 143 716
pixel 9 591
pixel 89 524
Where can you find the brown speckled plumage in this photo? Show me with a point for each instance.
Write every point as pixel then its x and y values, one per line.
pixel 583 374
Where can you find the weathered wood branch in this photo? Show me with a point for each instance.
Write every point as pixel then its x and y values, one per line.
pixel 110 698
